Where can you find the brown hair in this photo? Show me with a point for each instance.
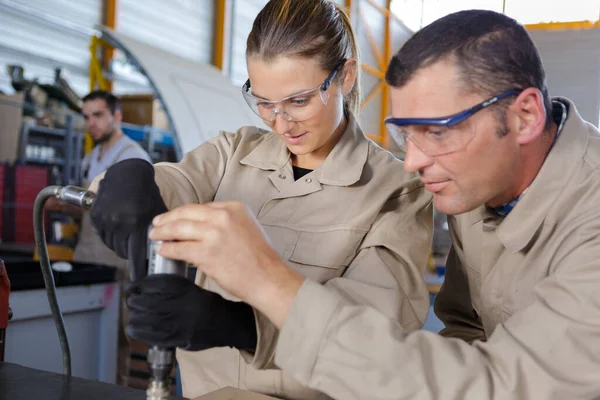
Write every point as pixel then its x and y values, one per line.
pixel 306 28
pixel 112 101
pixel 493 52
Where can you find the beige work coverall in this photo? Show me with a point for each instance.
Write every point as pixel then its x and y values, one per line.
pixel 521 304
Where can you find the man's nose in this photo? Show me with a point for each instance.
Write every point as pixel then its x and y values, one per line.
pixel 415 159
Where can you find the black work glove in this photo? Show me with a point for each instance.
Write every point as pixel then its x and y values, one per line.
pixel 127 201
pixel 171 311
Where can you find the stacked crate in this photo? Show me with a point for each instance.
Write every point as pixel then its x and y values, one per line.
pixel 3 174
pixel 28 182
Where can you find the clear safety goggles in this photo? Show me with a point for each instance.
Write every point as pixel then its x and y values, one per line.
pixel 297 107
pixel 439 136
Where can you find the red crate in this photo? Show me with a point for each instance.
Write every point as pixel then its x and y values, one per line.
pixel 28 182
pixel 2 202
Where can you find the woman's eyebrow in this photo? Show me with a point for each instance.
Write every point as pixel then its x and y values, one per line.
pixel 300 92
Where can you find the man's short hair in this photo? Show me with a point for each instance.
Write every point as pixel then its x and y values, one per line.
pixel 493 52
pixel 111 100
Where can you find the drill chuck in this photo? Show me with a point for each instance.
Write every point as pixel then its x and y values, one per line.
pixel 160 362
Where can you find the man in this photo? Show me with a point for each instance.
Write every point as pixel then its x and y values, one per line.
pixel 520 174
pixel 102 116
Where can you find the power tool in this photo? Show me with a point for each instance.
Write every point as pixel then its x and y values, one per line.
pixel 160 360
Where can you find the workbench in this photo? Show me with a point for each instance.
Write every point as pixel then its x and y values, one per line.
pixel 91 315
pixel 22 383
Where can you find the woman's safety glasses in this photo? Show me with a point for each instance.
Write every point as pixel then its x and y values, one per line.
pixel 439 136
pixel 297 107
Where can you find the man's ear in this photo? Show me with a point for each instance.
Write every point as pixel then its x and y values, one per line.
pixel 350 72
pixel 118 116
pixel 528 115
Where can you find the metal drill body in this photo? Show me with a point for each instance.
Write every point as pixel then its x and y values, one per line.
pixel 161 361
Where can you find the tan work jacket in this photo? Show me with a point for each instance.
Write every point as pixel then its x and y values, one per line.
pixel 525 290
pixel 359 224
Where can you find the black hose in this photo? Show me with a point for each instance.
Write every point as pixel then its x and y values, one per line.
pixel 42 249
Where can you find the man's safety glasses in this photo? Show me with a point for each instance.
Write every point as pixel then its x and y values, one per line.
pixel 439 136
pixel 297 107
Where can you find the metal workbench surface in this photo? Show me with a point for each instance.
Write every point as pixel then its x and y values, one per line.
pixel 21 383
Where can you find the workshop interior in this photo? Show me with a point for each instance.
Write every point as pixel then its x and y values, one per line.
pixel 177 68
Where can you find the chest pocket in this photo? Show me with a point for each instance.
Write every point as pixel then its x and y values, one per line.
pixel 321 256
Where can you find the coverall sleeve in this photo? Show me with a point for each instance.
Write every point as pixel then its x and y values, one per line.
pixel 196 177
pixel 548 350
pixel 387 273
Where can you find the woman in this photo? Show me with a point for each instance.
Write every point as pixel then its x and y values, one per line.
pixel 338 208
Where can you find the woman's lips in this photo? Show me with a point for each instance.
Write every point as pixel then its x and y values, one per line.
pixel 294 139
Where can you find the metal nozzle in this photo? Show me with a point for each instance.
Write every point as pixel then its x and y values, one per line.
pixel 76 196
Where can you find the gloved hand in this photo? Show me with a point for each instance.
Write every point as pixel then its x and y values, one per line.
pixel 171 311
pixel 126 202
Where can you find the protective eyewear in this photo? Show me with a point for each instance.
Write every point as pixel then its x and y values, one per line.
pixel 439 136
pixel 297 107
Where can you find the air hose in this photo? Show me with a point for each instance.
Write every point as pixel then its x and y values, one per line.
pixel 72 195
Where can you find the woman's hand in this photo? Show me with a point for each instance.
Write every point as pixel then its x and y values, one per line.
pixel 226 242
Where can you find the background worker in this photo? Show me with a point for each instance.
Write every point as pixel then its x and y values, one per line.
pixel 102 116
pixel 336 207
pixel 520 174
